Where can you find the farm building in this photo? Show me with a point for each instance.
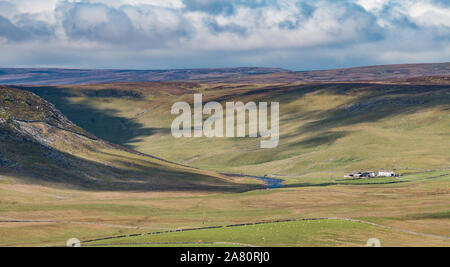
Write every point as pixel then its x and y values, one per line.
pixel 371 174
pixel 386 174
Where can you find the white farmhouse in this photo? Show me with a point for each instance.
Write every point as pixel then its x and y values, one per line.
pixel 371 174
pixel 385 174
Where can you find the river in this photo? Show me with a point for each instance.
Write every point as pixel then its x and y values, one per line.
pixel 271 183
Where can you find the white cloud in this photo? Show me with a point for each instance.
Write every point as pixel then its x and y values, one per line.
pixel 175 4
pixel 426 14
pixel 184 32
pixel 373 5
pixel 35 6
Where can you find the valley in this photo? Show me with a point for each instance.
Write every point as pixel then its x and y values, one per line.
pixel 98 162
pixel 324 127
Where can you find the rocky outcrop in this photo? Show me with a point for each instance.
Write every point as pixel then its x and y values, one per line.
pixel 23 106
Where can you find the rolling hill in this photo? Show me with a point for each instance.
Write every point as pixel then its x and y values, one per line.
pixel 249 75
pixel 39 144
pixel 325 127
pixel 370 73
pixel 42 76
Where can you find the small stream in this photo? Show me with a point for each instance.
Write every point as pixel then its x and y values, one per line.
pixel 271 183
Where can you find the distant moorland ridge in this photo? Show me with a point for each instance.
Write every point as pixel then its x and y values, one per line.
pixel 47 76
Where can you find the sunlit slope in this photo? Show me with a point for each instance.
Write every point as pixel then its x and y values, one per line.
pixel 39 144
pixel 324 126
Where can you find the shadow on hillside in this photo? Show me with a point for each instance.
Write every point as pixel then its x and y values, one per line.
pixel 376 102
pixel 322 139
pixel 38 164
pixel 105 124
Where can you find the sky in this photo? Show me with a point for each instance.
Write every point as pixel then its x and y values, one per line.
pixel 168 34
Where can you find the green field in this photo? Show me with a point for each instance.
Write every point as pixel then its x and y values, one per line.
pixel 317 233
pixel 419 206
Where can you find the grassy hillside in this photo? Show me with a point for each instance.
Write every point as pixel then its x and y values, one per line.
pixel 325 127
pixel 39 144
